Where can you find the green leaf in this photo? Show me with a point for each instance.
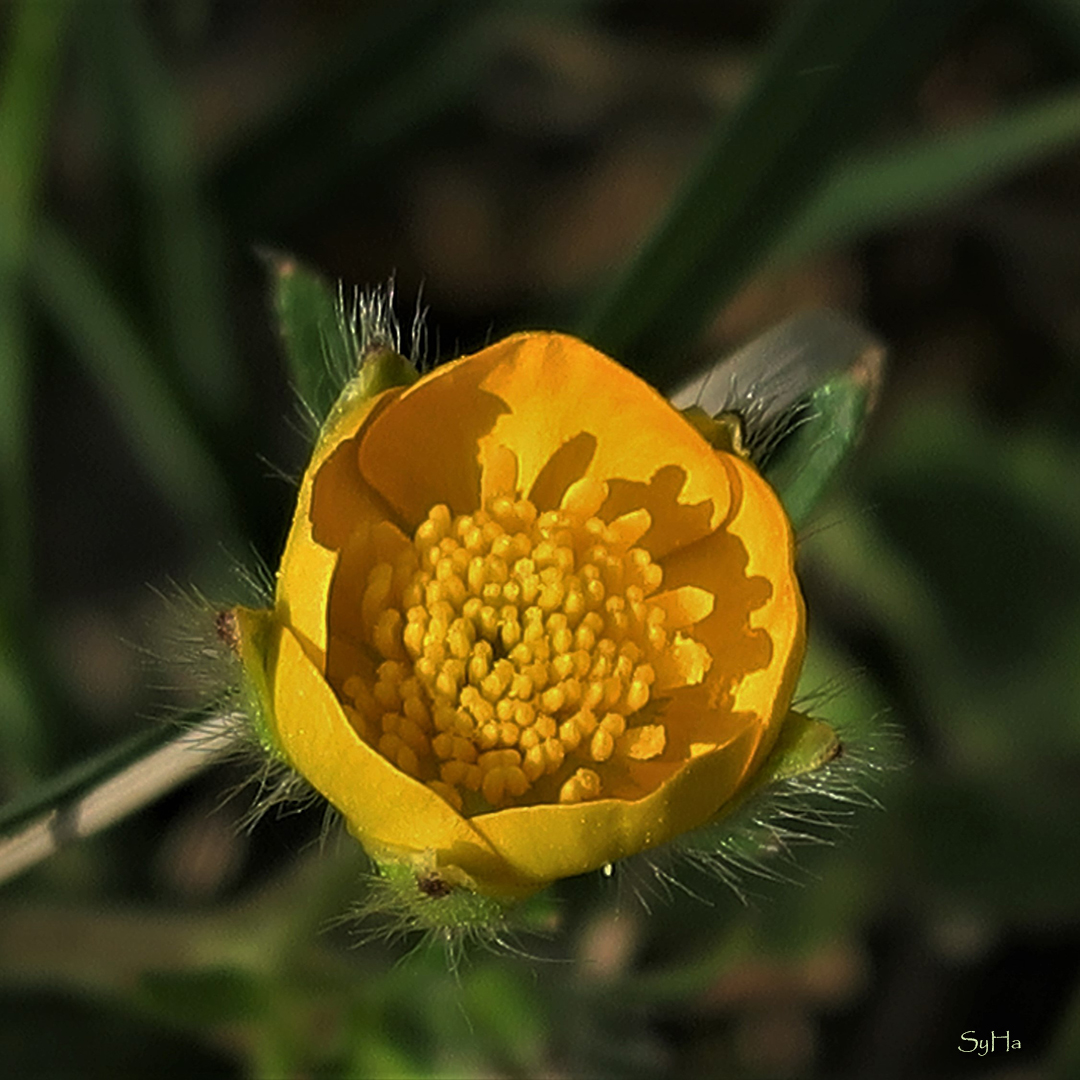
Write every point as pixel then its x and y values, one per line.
pixel 336 358
pixel 317 348
pixel 875 190
pixel 835 67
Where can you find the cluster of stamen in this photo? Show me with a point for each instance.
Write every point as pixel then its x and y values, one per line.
pixel 518 652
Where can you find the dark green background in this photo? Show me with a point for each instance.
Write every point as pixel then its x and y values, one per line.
pixel 913 164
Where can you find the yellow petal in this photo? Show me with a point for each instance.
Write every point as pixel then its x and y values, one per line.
pixel 684 606
pixel 756 633
pixel 372 542
pixel 333 498
pixel 535 393
pixel 552 841
pixel 425 451
pixel 385 809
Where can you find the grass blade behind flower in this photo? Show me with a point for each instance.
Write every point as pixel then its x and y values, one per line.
pixel 834 69
pixel 183 257
pixel 874 190
pixel 99 792
pixel 35 34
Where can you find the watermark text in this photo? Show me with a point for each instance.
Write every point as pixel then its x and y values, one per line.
pixel 970 1043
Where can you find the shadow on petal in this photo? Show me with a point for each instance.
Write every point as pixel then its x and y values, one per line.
pixel 674 524
pixel 718 563
pixel 566 466
pixel 425 450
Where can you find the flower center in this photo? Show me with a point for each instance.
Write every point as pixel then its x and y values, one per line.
pixel 519 658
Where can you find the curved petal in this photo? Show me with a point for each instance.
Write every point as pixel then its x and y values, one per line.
pixel 756 632
pixel 534 393
pixel 333 498
pixel 549 842
pixel 424 451
pixel 384 809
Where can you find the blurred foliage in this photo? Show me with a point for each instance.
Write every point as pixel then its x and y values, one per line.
pixel 669 179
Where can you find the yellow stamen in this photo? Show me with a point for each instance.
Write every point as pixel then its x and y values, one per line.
pixel 517 650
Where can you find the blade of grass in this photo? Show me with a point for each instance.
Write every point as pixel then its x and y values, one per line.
pixel 183 254
pixel 886 187
pixel 22 706
pixel 162 436
pixel 35 36
pixel 34 43
pixel 97 793
pixel 835 66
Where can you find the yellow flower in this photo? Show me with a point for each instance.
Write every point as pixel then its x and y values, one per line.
pixel 528 620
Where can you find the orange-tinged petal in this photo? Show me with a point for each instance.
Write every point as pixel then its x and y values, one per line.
pixel 534 392
pixel 425 451
pixel 549 842
pixel 333 499
pixel 674 522
pixel 756 633
pixel 567 464
pixel 385 809
pixel 684 606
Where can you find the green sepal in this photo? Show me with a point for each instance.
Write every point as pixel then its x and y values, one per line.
pixel 831 423
pixel 725 431
pixel 804 745
pixel 415 894
pixel 317 343
pixel 252 636
pixel 381 369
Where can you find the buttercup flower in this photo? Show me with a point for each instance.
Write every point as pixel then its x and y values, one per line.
pixel 529 621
